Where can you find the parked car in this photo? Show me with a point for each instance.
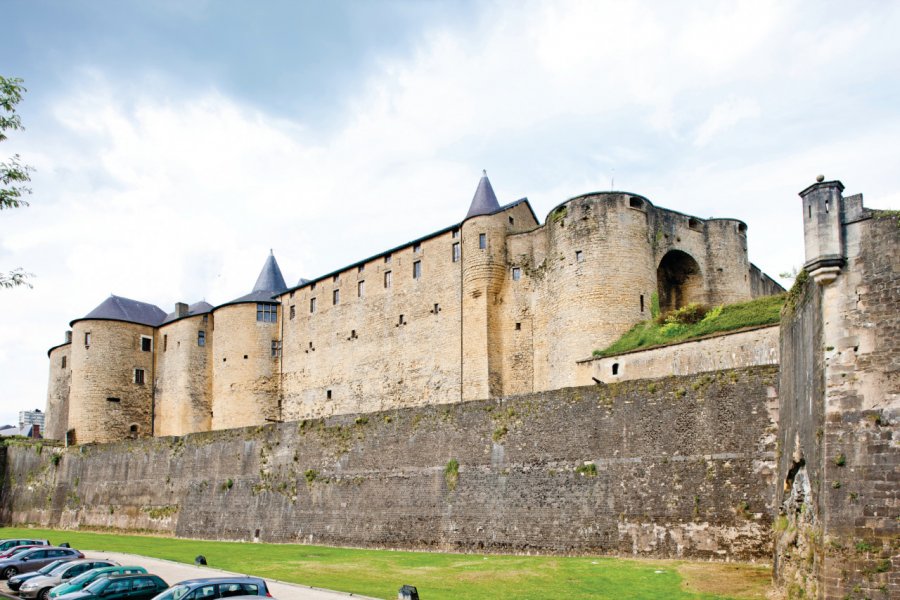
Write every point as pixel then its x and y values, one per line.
pixel 120 587
pixel 33 559
pixel 85 579
pixel 39 587
pixel 216 587
pixel 14 583
pixel 17 549
pixel 12 542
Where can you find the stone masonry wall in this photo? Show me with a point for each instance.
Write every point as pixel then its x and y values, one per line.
pixel 183 401
pixel 733 350
pixel 673 467
pixel 58 392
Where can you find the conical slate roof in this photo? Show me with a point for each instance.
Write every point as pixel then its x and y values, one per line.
pixel 269 283
pixel 485 200
pixel 116 308
pixel 198 308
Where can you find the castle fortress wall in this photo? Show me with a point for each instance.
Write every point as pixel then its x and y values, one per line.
pixel 245 375
pixel 382 344
pixel 58 392
pixel 109 405
pixel 184 377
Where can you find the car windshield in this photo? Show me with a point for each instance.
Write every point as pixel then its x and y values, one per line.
pixel 48 568
pixel 59 569
pixel 173 593
pixel 21 553
pixel 84 577
pixel 98 586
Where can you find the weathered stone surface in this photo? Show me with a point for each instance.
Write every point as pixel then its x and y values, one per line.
pixel 674 467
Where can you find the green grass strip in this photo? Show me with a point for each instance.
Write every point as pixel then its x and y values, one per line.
pixel 761 311
pixel 438 576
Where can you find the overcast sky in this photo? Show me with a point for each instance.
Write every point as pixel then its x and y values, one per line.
pixel 176 142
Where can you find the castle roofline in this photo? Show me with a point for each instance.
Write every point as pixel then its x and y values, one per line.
pixel 126 310
pixel 306 282
pixel 269 285
pixel 194 310
pixel 484 202
pixel 50 351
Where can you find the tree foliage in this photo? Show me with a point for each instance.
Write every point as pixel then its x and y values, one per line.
pixel 13 174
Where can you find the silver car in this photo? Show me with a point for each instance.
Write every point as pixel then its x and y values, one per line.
pixel 39 587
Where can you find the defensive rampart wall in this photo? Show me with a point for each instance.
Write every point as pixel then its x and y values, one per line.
pixel 681 466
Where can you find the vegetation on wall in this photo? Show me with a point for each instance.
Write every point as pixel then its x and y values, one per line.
pixel 693 321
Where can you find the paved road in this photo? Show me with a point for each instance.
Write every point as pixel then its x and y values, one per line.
pixel 173 572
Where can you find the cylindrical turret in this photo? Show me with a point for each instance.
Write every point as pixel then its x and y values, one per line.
pixel 60 380
pixel 822 206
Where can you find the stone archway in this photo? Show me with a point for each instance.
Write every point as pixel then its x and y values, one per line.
pixel 678 280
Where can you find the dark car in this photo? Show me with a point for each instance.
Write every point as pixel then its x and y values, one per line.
pixel 39 587
pixel 16 582
pixel 13 542
pixel 209 588
pixel 121 587
pixel 33 559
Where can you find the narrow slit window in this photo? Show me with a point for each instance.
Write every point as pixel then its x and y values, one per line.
pixel 165 342
pixel 87 339
pixel 201 338
pixel 615 369
pixel 312 305
pixel 336 297
pixel 516 273
pixel 455 252
pixel 455 233
pixel 642 303
pixel 328 394
pixel 361 288
pixel 512 221
pixel 139 376
pixel 482 240
pixel 360 268
pixel 63 363
pixel 518 327
pixel 387 259
pixel 417 269
pixel 436 309
pixel 387 279
pixel 293 311
pixel 579 256
pixel 417 248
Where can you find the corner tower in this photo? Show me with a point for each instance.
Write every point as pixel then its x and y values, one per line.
pixel 247 354
pixel 822 207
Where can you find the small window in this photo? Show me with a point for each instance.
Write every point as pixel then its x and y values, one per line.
pixel 642 303
pixel 387 279
pixel 111 399
pixel 276 348
pixel 579 256
pixel 361 288
pixel 512 221
pixel 482 240
pixel 63 362
pixel 417 269
pixel 360 268
pixel 401 320
pixel 201 338
pixel 742 228
pixel 336 297
pixel 311 347
pixel 635 202
pixel 335 278
pixel 139 376
pixel 809 208
pixel 266 313
pixel 133 429
pixel 436 309
pixel 328 394
pixel 387 259
pixel 454 234
pixel 615 369
pixel 694 223
pixel 455 252
pixel 312 286
pixel 417 247
pixel 146 343
pixel 312 305
pixel 518 327
pixel 87 339
pixel 165 342
pixel 293 311
pixel 353 335
pixel 516 273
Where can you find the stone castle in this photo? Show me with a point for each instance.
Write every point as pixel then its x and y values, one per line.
pixel 496 305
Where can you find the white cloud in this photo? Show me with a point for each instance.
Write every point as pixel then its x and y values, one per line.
pixel 724 116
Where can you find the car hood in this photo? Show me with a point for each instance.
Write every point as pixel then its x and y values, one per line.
pixel 25 577
pixel 75 596
pixel 42 579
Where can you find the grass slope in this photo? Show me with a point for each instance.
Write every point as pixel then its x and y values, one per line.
pixel 761 311
pixel 380 573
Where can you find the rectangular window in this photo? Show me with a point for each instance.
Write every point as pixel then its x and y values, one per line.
pixel 293 311
pixel 146 343
pixel 579 256
pixel 139 376
pixel 455 233
pixel 165 342
pixel 482 240
pixel 417 248
pixel 361 288
pixel 417 269
pixel 312 305
pixel 87 339
pixel 334 279
pixel 312 286
pixel 455 252
pixel 63 362
pixel 336 297
pixel 512 221
pixel 360 268
pixel 266 313
pixel 642 303
pixel 516 273
pixel 201 338
pixel 276 348
pixel 387 279
pixel 387 259
pixel 328 394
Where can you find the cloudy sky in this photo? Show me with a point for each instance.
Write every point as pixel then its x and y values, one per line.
pixel 176 142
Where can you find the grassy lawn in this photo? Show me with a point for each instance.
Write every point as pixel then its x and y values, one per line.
pixel 761 311
pixel 380 573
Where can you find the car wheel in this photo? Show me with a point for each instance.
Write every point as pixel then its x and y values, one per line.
pixel 9 572
pixel 45 594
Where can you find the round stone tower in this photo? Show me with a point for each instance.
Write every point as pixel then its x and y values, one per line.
pixel 112 361
pixel 246 357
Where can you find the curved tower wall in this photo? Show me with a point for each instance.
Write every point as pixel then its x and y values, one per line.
pixel 727 251
pixel 60 380
pixel 107 405
pixel 245 375
pixel 184 377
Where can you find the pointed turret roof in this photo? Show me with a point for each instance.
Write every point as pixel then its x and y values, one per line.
pixel 116 308
pixel 485 200
pixel 270 283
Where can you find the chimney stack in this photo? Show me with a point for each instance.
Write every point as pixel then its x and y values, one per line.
pixel 181 310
